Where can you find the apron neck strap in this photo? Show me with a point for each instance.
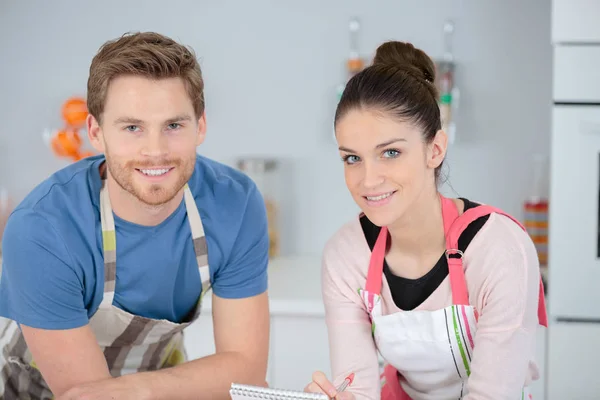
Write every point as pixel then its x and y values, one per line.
pixel 109 237
pixel 109 240
pixel 454 256
pixel 375 272
pixel 460 294
pixel 449 213
pixel 454 225
pixel 374 275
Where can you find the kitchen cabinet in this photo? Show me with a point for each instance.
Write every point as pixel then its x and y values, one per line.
pixel 199 338
pixel 574 241
pixel 574 264
pixel 575 21
pixel 298 335
pixel 573 354
pixel 575 72
pixel 298 347
pixel 538 387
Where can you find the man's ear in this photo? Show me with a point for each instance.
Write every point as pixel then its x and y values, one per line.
pixel 201 129
pixel 95 133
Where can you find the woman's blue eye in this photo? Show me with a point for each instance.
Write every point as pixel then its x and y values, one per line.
pixel 391 153
pixel 351 159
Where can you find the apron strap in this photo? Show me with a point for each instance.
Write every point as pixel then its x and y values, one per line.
pixel 109 240
pixel 454 225
pixel 374 275
pixel 198 238
pixel 458 284
pixel 375 272
pixel 455 265
pixel 449 213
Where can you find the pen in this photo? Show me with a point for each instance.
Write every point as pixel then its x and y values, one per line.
pixel 347 382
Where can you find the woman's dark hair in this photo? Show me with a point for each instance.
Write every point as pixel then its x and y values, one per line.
pixel 401 84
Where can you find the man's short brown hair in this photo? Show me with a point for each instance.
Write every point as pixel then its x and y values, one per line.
pixel 146 54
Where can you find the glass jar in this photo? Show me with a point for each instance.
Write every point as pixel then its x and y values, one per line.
pixel 264 172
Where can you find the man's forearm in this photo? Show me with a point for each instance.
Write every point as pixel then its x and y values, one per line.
pixel 205 378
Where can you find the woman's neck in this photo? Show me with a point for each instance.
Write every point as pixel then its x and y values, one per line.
pixel 421 231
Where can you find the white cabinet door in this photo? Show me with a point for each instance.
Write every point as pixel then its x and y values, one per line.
pixel 199 341
pixel 575 21
pixel 574 237
pixel 300 347
pixel 573 361
pixel 199 338
pixel 537 388
pixel 576 77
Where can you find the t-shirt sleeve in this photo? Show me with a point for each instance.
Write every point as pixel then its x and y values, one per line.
pixel 245 271
pixel 39 286
pixel 507 299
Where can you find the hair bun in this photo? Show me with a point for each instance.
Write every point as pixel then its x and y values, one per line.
pixel 406 57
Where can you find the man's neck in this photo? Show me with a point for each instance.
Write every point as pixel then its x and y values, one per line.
pixel 421 231
pixel 126 206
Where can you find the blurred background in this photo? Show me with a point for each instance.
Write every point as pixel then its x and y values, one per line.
pixel 273 72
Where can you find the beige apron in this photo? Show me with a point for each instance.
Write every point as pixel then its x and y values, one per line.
pixel 130 343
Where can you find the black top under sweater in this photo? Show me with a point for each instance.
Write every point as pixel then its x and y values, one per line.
pixel 410 293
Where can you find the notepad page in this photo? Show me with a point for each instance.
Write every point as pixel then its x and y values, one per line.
pixel 248 392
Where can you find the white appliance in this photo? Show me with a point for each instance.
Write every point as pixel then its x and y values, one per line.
pixel 573 344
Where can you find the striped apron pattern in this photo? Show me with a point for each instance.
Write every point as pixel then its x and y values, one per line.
pixel 428 353
pixel 130 343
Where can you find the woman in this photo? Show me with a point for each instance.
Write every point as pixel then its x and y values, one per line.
pixel 447 291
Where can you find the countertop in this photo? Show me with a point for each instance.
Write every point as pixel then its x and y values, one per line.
pixel 294 287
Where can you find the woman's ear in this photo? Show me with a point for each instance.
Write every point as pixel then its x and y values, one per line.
pixel 436 150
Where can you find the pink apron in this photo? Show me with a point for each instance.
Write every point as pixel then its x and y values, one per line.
pixel 439 342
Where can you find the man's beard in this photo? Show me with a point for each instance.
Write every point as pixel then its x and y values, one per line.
pixel 153 195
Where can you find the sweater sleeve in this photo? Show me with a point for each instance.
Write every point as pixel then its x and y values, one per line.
pixel 351 344
pixel 506 271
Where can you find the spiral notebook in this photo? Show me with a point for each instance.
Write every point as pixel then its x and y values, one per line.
pixel 248 392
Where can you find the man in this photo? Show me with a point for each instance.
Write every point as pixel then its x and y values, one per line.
pixel 105 261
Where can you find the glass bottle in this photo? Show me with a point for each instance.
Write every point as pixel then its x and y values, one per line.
pixel 263 171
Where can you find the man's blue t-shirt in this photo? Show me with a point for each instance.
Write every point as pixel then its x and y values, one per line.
pixel 53 268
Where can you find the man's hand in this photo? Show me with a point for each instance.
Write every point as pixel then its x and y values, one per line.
pixel 108 389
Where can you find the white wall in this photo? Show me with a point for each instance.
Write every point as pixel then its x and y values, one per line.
pixel 271 69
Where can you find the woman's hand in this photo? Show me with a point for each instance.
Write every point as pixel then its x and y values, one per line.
pixel 320 384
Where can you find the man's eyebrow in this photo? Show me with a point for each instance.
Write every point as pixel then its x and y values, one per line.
pixel 178 118
pixel 128 120
pixel 137 121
